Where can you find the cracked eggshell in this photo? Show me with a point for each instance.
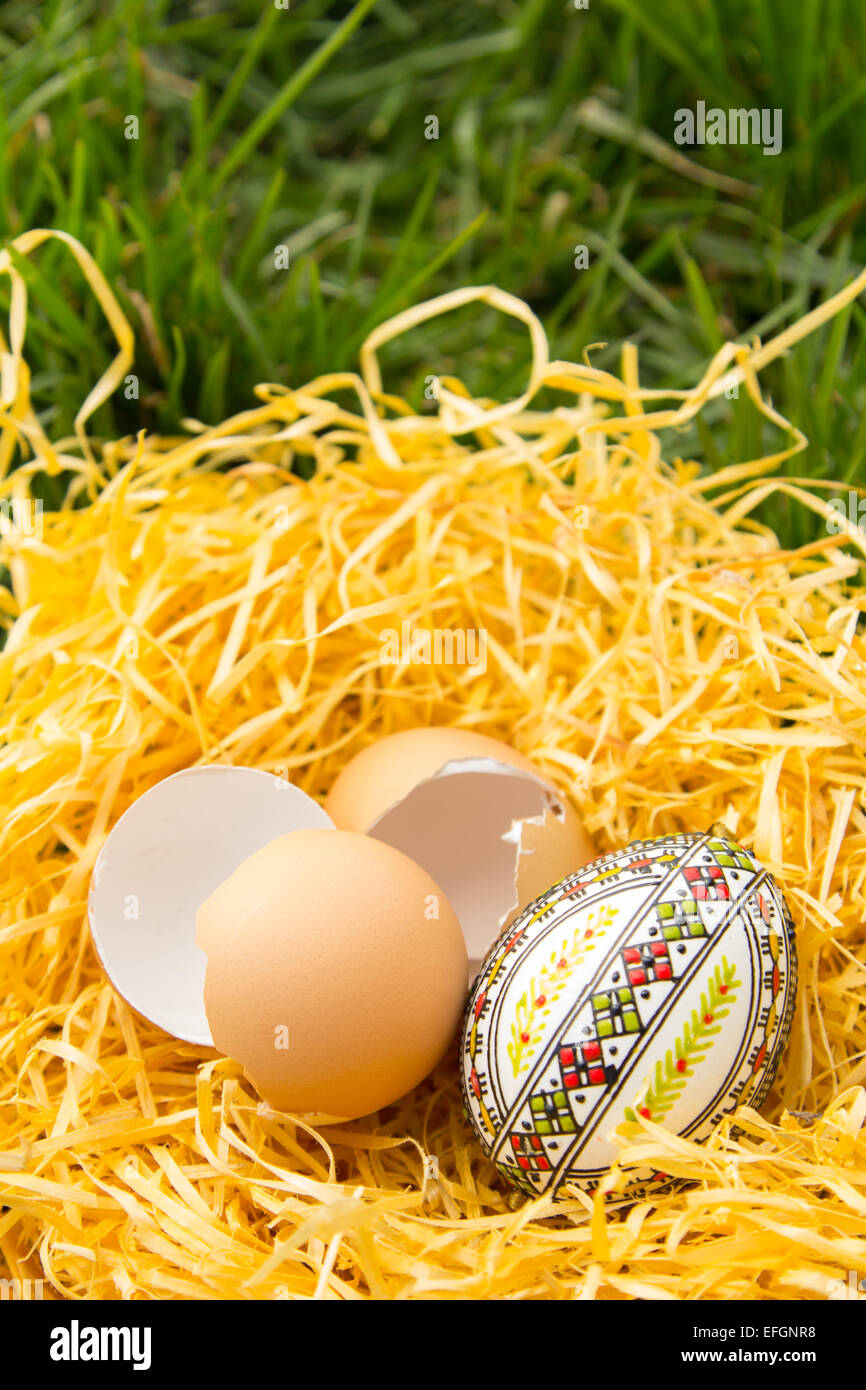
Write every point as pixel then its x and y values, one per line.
pixel 347 983
pixel 165 855
pixel 478 816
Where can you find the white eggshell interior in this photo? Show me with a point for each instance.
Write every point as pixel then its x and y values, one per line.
pixel 174 846
pixel 470 843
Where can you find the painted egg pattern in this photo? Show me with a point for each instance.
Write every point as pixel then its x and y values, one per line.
pixel 660 978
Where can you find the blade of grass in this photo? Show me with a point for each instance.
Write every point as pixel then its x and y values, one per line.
pixel 414 285
pixel 240 312
pixel 252 248
pixel 235 86
pixel 290 91
pixel 42 292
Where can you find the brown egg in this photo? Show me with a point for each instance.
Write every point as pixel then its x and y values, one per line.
pixel 336 972
pixel 387 771
pixel 477 815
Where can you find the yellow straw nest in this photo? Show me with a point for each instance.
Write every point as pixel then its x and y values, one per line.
pixel 656 652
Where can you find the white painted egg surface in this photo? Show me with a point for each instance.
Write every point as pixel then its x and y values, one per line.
pixel 659 979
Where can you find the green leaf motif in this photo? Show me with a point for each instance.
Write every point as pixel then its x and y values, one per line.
pixel 672 1073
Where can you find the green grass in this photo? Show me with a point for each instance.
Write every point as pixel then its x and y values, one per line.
pixel 306 128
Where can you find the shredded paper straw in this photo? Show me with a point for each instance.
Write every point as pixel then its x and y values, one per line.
pixel 658 654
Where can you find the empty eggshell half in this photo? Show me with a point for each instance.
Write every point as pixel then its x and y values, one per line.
pixel 163 858
pixel 347 983
pixel 475 814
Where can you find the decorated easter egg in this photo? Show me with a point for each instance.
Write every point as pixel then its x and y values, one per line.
pixel 657 981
